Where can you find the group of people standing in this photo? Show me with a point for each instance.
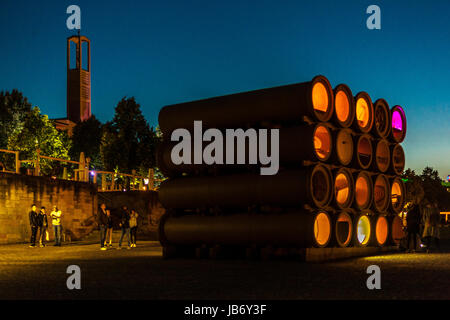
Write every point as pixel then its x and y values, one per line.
pixel 39 225
pixel 425 214
pixel 128 224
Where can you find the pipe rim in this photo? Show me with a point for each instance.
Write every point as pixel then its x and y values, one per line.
pixel 381 109
pixel 316 98
pixel 396 232
pixel 400 152
pixel 387 192
pixel 351 188
pixel 366 116
pixel 397 186
pixel 329 142
pixel 365 138
pixel 320 176
pixel 322 229
pixel 346 218
pixel 398 135
pixel 344 153
pixel 350 112
pixel 368 184
pixel 387 153
pixel 363 230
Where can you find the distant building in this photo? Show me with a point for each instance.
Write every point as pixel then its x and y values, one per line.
pixel 78 83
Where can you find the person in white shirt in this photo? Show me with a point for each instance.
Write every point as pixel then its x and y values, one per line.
pixel 133 227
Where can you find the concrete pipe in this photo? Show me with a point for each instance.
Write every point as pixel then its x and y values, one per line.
pixel 285 104
pixel 382 158
pixel 296 144
pixel 398 124
pixel 398 194
pixel 362 230
pixel 364 113
pixel 343 147
pixel 363 190
pixel 343 229
pixel 290 188
pixel 381 193
pixel 382 119
pixel 398 159
pixel 363 152
pixel 396 230
pixel 344 188
pixel 344 106
pixel 302 229
pixel 380 226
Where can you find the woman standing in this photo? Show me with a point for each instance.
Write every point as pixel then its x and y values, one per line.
pixel 133 227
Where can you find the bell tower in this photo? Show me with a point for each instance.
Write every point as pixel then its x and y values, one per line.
pixel 78 78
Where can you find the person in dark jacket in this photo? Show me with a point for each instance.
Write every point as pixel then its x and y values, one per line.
pixel 412 226
pixel 33 215
pixel 125 225
pixel 102 220
pixel 43 225
pixel 109 230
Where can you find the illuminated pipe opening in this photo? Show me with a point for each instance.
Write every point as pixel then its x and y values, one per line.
pixel 382 118
pixel 343 229
pixel 320 184
pixel 363 191
pixel 322 98
pixel 381 230
pixel 363 230
pixel 397 195
pixel 398 124
pixel 364 151
pixel 382 156
pixel 381 193
pixel 322 142
pixel 364 112
pixel 343 188
pixel 398 159
pixel 344 146
pixel 344 106
pixel 322 229
pixel 397 233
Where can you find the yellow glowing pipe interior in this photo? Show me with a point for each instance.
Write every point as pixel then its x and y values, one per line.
pixel 363 230
pixel 341 188
pixel 320 97
pixel 322 142
pixel 381 230
pixel 362 112
pixel 396 193
pixel 361 190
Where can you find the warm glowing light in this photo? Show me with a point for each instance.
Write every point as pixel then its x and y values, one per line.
pixel 381 192
pixel 362 112
pixel 320 97
pixel 363 230
pixel 322 229
pixel 361 191
pixel 342 106
pixel 146 181
pixel 396 193
pixel 344 228
pixel 341 188
pixel 322 142
pixel 381 230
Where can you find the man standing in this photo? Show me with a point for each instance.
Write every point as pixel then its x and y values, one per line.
pixel 56 222
pixel 33 215
pixel 102 220
pixel 412 226
pixel 43 225
pixel 125 225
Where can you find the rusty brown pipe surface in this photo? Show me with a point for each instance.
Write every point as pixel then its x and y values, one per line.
pixel 290 188
pixel 382 155
pixel 397 159
pixel 302 229
pixel 381 193
pixel 284 104
pixel 363 155
pixel 382 119
pixel 296 144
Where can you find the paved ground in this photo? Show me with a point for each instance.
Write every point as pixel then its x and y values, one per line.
pixel 141 273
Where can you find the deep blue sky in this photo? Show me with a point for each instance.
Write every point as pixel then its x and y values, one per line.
pixel 164 52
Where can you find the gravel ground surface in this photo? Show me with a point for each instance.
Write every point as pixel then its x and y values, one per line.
pixel 141 273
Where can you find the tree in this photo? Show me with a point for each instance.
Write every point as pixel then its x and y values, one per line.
pixel 128 142
pixel 13 109
pixel 87 137
pixel 38 132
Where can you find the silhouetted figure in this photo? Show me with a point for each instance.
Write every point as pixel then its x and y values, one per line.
pixel 431 220
pixel 133 226
pixel 43 225
pixel 109 229
pixel 412 226
pixel 125 225
pixel 102 220
pixel 33 215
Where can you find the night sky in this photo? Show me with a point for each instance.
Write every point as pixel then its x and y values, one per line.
pixel 165 52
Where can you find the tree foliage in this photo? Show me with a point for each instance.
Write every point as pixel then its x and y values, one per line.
pixel 87 137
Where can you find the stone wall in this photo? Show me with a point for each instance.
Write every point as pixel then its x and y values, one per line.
pixel 76 200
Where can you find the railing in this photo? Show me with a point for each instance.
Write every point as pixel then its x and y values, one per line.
pixel 109 180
